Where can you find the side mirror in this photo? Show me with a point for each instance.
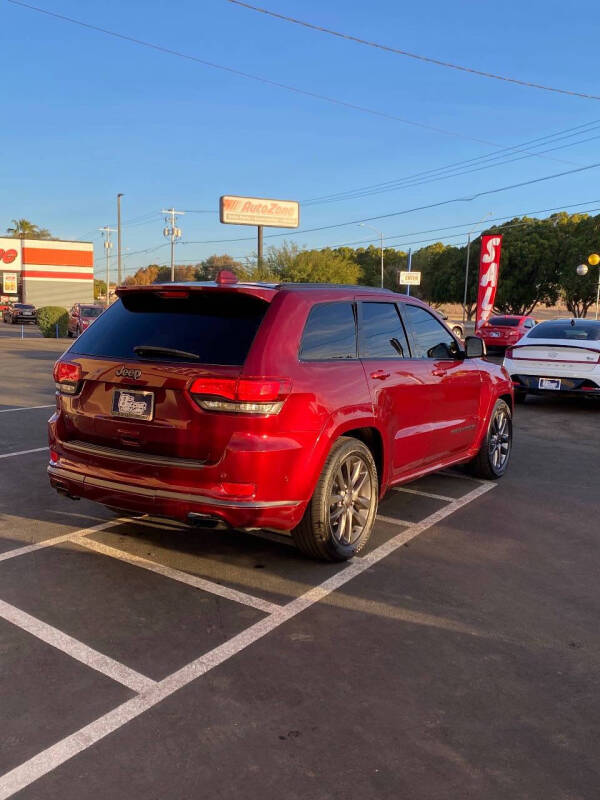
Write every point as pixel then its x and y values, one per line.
pixel 475 347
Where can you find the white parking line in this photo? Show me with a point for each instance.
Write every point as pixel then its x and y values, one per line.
pixel 25 408
pixel 81 740
pixel 423 494
pixel 395 521
pixel 66 537
pixel 451 474
pixel 178 575
pixel 24 452
pixel 77 650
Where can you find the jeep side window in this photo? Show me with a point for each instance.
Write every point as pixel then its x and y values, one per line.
pixel 381 332
pixel 431 338
pixel 329 333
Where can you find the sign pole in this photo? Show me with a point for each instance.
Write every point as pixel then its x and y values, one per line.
pixel 260 245
pixel 409 268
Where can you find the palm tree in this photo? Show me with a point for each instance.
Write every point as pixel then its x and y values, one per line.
pixel 24 229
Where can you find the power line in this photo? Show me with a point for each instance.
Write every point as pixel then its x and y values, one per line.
pixel 250 76
pixel 452 170
pixel 417 56
pixel 466 199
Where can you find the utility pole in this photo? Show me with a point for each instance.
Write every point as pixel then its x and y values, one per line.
pixel 409 268
pixel 172 232
pixel 106 232
pixel 119 242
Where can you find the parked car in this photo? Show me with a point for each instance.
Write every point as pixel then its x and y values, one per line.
pixel 20 312
pixel 4 306
pixel 503 330
pixel 456 327
pixel 557 356
pixel 292 408
pixel 81 317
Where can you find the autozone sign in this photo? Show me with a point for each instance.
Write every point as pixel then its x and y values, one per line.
pixel 234 210
pixel 7 256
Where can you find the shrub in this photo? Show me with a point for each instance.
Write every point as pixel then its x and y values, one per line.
pixel 48 317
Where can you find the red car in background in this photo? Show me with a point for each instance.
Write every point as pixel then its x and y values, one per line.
pixel 81 317
pixel 289 407
pixel 503 331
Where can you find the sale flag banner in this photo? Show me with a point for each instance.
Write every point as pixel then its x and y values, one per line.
pixel 489 266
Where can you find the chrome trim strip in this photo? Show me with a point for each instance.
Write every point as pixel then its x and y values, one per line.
pixel 125 455
pixel 167 495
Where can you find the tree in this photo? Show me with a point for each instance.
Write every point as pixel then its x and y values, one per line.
pixel 581 237
pixel 99 289
pixel 24 229
pixel 321 266
pixel 207 270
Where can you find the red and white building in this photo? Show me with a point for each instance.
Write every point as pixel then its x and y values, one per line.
pixel 46 272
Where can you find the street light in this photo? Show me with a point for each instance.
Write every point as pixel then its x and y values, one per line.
pixel 582 269
pixel 380 234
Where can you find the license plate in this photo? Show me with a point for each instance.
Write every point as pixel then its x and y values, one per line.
pixel 28 313
pixel 549 383
pixel 135 405
pixel 495 334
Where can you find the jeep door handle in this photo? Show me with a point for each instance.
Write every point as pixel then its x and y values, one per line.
pixel 380 375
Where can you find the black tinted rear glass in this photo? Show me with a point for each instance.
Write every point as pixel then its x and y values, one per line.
pixel 90 311
pixel 330 333
pixel 504 322
pixel 582 331
pixel 216 327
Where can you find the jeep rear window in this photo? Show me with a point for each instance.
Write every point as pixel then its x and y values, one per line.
pixel 217 327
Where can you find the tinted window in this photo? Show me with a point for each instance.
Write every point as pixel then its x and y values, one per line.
pixel 218 328
pixel 381 332
pixel 589 330
pixel 90 311
pixel 504 322
pixel 330 333
pixel 431 339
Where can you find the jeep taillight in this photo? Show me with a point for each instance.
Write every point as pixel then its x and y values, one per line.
pixel 508 353
pixel 241 395
pixel 67 377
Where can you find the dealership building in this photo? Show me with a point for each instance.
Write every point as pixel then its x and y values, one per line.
pixel 46 272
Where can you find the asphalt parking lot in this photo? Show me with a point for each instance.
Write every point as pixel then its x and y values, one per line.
pixel 458 658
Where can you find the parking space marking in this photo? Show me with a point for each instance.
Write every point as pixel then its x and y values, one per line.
pixel 178 575
pixel 423 494
pixel 25 408
pixel 65 537
pixel 76 649
pixel 402 522
pixel 57 754
pixel 451 474
pixel 24 452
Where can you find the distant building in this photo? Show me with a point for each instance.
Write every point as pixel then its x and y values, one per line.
pixel 46 272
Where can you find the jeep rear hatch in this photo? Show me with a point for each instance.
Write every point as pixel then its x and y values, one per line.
pixel 138 362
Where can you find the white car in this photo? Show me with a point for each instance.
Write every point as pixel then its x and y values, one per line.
pixel 560 356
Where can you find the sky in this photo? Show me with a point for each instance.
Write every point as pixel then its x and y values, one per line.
pixel 87 115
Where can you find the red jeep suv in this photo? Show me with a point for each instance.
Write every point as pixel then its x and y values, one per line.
pixel 286 407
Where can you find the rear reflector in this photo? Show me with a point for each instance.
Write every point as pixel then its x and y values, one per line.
pixel 508 353
pixel 242 396
pixel 67 377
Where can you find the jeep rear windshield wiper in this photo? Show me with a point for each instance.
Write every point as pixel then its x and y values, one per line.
pixel 154 350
